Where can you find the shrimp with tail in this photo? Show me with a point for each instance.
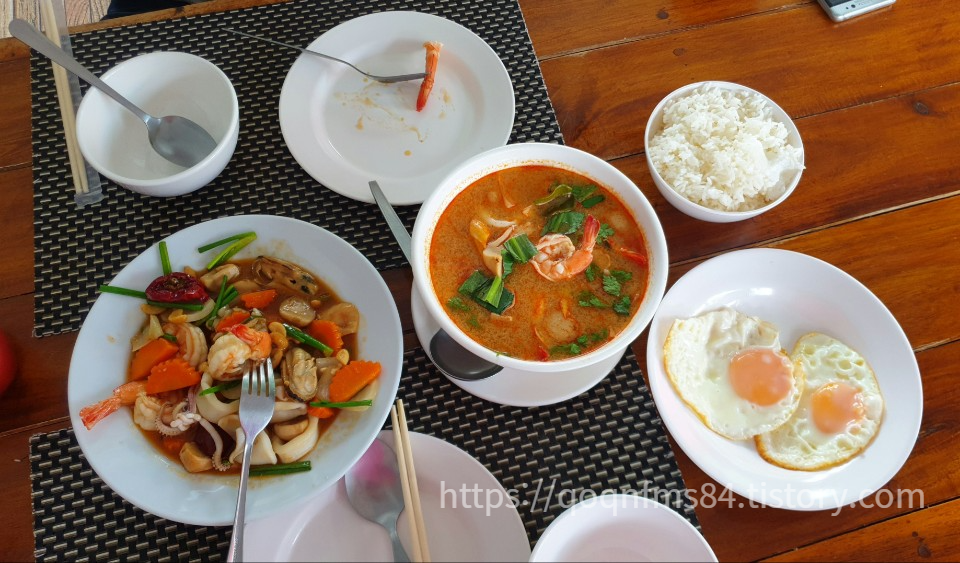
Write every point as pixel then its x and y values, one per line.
pixel 124 395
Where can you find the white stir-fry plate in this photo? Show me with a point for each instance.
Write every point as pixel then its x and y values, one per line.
pixel 799 294
pixel 480 525
pixel 346 129
pixel 513 387
pixel 142 475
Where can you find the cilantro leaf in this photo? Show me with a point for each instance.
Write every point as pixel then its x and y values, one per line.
pixel 571 349
pixel 588 299
pixel 606 231
pixel 611 285
pixel 621 275
pixel 457 304
pixel 622 306
pixel 592 272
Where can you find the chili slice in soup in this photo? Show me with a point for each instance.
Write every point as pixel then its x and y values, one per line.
pixel 539 263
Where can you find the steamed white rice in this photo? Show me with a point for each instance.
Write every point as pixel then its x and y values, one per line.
pixel 723 149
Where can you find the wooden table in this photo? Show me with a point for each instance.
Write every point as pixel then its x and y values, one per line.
pixel 877 102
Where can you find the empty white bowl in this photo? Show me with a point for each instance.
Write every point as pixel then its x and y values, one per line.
pixel 621 527
pixel 655 125
pixel 115 143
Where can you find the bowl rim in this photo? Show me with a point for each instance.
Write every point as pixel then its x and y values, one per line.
pixel 678 200
pixel 226 140
pixel 549 154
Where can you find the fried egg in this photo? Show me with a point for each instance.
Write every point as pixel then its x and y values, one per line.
pixel 729 368
pixel 840 411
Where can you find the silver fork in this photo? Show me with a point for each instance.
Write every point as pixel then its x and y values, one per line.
pixel 385 79
pixel 256 408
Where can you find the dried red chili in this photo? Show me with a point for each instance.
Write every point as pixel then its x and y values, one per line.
pixel 176 287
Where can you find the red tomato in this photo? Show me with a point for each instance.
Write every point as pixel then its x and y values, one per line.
pixel 8 362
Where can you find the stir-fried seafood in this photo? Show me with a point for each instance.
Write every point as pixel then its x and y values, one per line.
pixel 183 381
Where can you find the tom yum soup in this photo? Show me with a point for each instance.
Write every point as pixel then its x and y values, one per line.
pixel 538 263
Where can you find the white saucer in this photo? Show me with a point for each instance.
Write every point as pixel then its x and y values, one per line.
pixel 346 129
pixel 799 294
pixel 513 387
pixel 621 528
pixel 458 527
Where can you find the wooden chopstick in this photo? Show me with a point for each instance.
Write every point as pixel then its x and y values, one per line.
pixel 62 82
pixel 408 478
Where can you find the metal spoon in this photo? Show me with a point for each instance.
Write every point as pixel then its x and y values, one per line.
pixel 384 79
pixel 375 491
pixel 175 138
pixel 448 355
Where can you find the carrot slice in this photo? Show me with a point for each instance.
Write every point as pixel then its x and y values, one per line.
pixel 232 320
pixel 320 412
pixel 151 354
pixel 327 332
pixel 433 57
pixel 170 375
pixel 258 299
pixel 351 378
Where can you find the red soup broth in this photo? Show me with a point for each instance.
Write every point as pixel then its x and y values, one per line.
pixel 550 319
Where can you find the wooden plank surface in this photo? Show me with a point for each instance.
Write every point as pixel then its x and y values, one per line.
pixel 877 102
pixel 604 96
pixel 569 26
pixel 930 535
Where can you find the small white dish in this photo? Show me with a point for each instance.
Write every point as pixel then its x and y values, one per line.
pixel 345 129
pixel 620 527
pixel 115 142
pixel 135 469
pixel 459 528
pixel 799 294
pixel 695 210
pixel 511 386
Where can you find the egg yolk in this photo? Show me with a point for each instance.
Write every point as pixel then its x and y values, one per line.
pixel 761 376
pixel 834 406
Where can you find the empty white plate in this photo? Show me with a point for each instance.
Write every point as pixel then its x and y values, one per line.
pixel 461 524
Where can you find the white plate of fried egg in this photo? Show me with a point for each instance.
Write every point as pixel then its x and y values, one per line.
pixel 785 379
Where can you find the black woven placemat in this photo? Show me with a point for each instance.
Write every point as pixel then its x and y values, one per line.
pixel 78 249
pixel 608 439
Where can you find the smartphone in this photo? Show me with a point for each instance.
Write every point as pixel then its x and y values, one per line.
pixel 840 10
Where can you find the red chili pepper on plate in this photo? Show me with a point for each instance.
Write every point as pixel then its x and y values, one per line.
pixel 176 287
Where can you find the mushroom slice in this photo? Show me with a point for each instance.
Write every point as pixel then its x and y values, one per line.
pixel 273 272
pixel 300 374
pixel 345 315
pixel 297 311
pixel 213 279
pixel 289 430
pixel 193 459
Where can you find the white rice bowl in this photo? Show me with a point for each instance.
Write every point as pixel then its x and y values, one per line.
pixel 724 147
